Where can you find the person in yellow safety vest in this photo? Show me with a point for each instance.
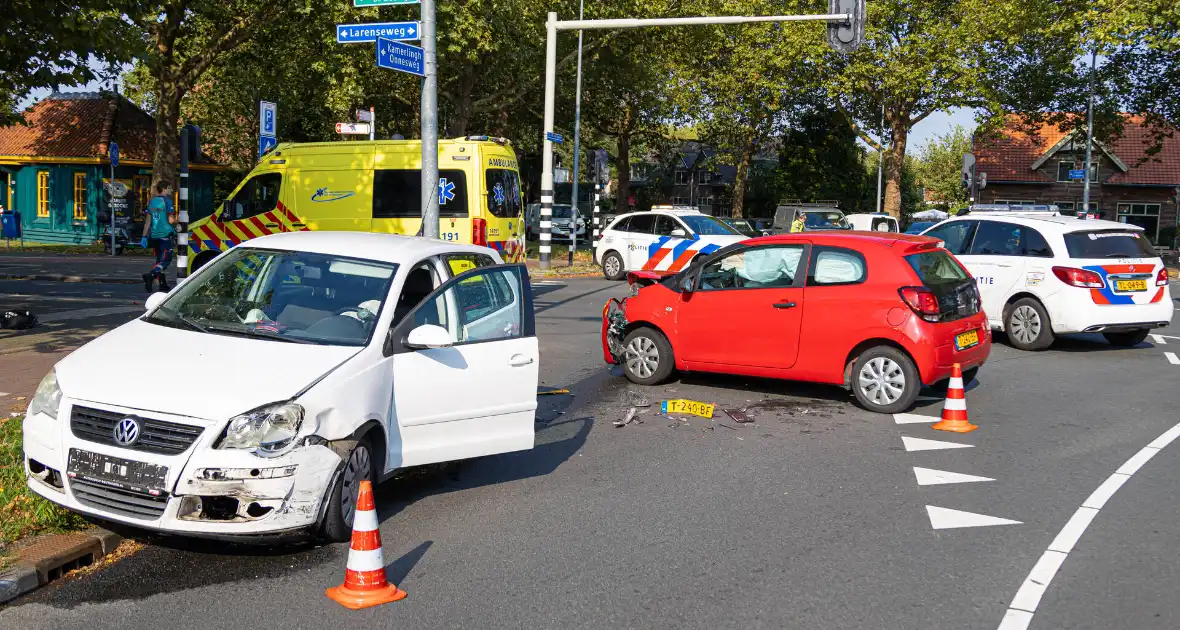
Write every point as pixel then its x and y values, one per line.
pixel 797 224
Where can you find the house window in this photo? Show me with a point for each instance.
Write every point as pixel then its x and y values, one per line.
pixel 703 177
pixel 1015 202
pixel 42 194
pixel 679 201
pixel 80 196
pixel 1145 215
pixel 1063 169
pixel 704 202
pixel 143 193
pixel 681 176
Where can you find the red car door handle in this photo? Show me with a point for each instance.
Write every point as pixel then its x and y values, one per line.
pixel 785 305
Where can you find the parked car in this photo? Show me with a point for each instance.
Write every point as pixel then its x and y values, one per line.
pixel 873 222
pixel 1042 275
pixel 881 314
pixel 562 219
pixel 918 227
pixel 312 361
pixel 743 226
pixel 815 217
pixel 664 239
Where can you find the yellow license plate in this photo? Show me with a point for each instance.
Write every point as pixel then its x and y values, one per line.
pixel 1131 285
pixel 967 340
pixel 691 407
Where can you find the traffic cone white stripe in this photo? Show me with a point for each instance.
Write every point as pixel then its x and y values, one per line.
pixel 955 404
pixel 956 383
pixel 364 521
pixel 366 560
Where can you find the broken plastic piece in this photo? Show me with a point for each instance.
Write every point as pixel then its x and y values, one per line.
pixel 738 415
pixel 625 421
pixel 637 400
pixel 550 392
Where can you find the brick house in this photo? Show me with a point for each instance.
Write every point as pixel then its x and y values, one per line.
pixel 1036 169
pixel 53 168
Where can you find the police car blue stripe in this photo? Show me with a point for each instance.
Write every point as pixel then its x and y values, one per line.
pixel 680 249
pixel 655 247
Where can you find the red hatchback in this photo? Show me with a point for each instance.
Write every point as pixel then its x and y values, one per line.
pixel 880 313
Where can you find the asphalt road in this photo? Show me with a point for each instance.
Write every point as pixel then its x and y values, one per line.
pixel 811 517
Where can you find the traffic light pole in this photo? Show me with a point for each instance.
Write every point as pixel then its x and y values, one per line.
pixel 429 124
pixel 845 31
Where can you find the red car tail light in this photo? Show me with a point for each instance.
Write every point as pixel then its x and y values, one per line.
pixel 922 301
pixel 479 232
pixel 1161 280
pixel 1083 278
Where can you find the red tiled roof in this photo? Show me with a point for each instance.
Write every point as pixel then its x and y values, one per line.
pixel 1010 156
pixel 81 126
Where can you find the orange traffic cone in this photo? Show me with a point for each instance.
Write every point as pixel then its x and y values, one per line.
pixel 365 583
pixel 954 410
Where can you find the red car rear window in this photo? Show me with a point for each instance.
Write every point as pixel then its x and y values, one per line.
pixel 936 268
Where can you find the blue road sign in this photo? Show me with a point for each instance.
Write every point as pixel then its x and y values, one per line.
pixel 267 119
pixel 1077 174
pixel 114 154
pixel 362 33
pixel 553 137
pixel 398 56
pixel 265 143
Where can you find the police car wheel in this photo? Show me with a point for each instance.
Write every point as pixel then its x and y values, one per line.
pixel 612 266
pixel 1126 339
pixel 885 380
pixel 337 523
pixel 647 357
pixel 1027 325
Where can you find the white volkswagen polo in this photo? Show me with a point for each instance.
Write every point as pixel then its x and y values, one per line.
pixel 256 396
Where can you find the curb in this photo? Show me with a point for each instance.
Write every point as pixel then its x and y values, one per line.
pixel 77 550
pixel 57 277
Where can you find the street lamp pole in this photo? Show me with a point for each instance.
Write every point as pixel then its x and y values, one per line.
pixel 577 145
pixel 1089 135
pixel 429 124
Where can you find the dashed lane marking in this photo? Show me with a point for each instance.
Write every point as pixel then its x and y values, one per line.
pixel 1172 358
pixel 921 444
pixel 932 477
pixel 1028 597
pixel 912 418
pixel 946 518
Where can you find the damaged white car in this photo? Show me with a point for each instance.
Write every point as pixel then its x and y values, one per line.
pixel 253 399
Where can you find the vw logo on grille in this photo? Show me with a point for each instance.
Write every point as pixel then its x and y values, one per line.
pixel 127 432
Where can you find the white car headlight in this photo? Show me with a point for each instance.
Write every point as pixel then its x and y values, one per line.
pixel 268 431
pixel 48 397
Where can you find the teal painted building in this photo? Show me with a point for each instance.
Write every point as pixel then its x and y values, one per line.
pixel 52 170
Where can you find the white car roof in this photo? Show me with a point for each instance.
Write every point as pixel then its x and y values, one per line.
pixel 1059 224
pixel 390 248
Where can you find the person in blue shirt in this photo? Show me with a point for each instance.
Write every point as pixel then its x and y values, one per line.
pixel 157 233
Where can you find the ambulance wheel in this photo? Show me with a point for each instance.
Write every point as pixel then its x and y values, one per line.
pixel 337 523
pixel 612 266
pixel 1027 325
pixel 1126 339
pixel 647 357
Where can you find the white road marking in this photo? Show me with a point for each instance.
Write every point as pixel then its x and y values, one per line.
pixel 1028 597
pixel 1167 336
pixel 913 418
pixel 1159 339
pixel 921 444
pixel 1172 358
pixel 84 313
pixel 931 477
pixel 946 518
pixel 3 394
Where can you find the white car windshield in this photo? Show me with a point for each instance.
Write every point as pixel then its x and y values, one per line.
pixel 296 297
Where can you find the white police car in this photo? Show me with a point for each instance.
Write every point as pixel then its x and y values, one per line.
pixel 1041 275
pixel 665 239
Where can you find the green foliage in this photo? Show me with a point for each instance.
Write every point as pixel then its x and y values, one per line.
pixel 49 44
pixel 23 513
pixel 939 166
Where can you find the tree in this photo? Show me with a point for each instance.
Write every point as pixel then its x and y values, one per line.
pixel 47 44
pixel 819 158
pixel 939 166
pixel 923 56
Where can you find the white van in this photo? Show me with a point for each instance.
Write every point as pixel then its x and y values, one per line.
pixel 873 222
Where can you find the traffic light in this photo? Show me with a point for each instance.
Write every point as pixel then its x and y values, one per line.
pixel 846 36
pixel 968 169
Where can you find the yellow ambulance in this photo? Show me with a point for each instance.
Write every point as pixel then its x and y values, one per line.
pixel 372 186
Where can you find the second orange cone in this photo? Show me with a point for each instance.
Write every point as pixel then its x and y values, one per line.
pixel 954 410
pixel 365 583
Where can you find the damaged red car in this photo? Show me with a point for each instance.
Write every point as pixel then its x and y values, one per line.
pixel 881 314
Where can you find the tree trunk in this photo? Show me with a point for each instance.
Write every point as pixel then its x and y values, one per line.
pixel 166 161
pixel 461 104
pixel 740 179
pixel 623 183
pixel 894 160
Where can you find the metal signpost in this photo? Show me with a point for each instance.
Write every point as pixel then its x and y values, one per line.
pixel 114 154
pixel 845 31
pixel 1089 137
pixel 368 116
pixel 268 124
pixel 429 123
pixel 577 144
pixel 369 33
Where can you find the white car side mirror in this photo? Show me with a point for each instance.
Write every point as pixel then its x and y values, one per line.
pixel 429 336
pixel 153 301
pixel 679 233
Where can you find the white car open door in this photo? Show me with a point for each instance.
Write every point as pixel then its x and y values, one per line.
pixel 465 365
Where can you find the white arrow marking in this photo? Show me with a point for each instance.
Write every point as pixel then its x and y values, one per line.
pixel 1172 358
pixel 944 518
pixel 913 418
pixel 920 444
pixel 1159 339
pixel 931 477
